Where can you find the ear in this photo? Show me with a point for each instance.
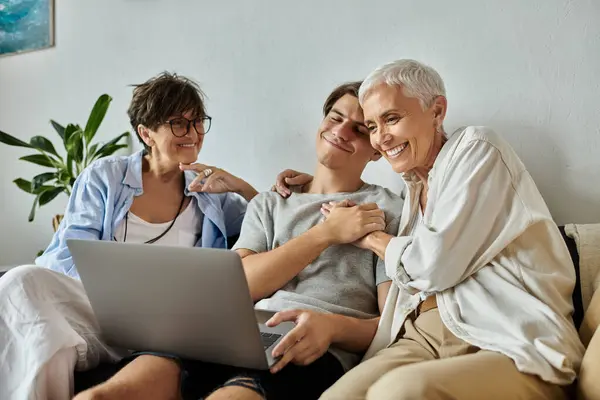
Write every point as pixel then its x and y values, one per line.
pixel 439 107
pixel 145 135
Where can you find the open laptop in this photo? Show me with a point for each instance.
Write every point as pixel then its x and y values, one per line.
pixel 191 302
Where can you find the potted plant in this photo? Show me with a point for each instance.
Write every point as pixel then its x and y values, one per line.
pixel 80 152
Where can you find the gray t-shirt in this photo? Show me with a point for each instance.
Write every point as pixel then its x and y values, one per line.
pixel 344 278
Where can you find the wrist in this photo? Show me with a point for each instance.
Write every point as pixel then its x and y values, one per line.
pixel 246 190
pixel 377 242
pixel 323 235
pixel 336 327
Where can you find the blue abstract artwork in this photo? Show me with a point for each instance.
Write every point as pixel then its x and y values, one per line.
pixel 26 25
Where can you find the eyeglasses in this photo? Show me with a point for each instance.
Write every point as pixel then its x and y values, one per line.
pixel 181 126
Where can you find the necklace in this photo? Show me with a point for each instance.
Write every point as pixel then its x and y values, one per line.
pixel 157 238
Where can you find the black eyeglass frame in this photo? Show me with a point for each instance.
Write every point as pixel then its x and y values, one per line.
pixel 189 122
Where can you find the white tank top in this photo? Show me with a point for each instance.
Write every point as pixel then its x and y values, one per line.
pixel 185 232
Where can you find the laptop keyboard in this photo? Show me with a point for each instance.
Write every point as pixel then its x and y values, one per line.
pixel 269 338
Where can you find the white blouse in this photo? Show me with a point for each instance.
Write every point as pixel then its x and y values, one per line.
pixel 185 232
pixel 488 249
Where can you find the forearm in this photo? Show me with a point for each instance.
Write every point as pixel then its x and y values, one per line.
pixel 247 191
pixel 377 242
pixel 353 334
pixel 270 271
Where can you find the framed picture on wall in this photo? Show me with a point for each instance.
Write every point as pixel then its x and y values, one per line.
pixel 26 25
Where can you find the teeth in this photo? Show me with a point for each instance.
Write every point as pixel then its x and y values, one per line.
pixel 187 145
pixel 396 150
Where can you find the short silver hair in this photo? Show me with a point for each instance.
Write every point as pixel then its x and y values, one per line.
pixel 416 79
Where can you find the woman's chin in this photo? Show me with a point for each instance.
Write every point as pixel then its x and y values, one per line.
pixel 187 157
pixel 400 166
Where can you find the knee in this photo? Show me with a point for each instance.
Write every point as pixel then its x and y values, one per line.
pixel 402 384
pixel 22 275
pixel 91 394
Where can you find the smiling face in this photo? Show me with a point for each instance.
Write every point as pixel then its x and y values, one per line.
pixel 343 139
pixel 407 135
pixel 167 147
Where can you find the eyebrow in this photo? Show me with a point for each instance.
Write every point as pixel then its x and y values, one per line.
pixel 384 114
pixel 338 112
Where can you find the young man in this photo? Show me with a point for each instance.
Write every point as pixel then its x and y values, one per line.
pixel 315 272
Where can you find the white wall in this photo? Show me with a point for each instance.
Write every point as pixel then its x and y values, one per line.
pixel 527 68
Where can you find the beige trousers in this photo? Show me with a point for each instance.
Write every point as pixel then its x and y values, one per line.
pixel 429 362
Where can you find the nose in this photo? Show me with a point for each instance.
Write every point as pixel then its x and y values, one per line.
pixel 343 130
pixel 380 137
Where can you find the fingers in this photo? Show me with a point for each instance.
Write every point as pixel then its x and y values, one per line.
pixel 369 206
pixel 281 186
pixel 196 183
pixel 303 350
pixel 374 213
pixel 285 360
pixel 207 187
pixel 307 357
pixel 289 340
pixel 194 167
pixel 298 180
pixel 282 190
pixel 283 316
pixel 372 227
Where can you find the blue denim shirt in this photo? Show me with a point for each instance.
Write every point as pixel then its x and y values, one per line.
pixel 102 196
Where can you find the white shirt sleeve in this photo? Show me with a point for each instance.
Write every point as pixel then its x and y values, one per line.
pixel 471 214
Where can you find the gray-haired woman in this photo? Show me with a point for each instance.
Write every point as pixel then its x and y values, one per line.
pixel 481 302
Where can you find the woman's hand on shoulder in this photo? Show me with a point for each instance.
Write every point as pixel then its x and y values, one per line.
pixel 211 179
pixel 288 179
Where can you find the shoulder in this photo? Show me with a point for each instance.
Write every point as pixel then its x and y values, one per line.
pixel 473 146
pixel 265 200
pixel 107 169
pixel 482 137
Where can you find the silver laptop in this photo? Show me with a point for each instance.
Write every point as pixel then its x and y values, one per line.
pixel 190 302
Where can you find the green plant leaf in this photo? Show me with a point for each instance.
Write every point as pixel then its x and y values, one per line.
pixel 78 151
pixel 96 117
pixel 24 185
pixel 40 179
pixel 32 212
pixel 42 189
pixel 102 150
pixel 75 146
pixel 69 164
pixel 69 131
pixel 59 129
pixel 110 150
pixel 12 141
pixel 41 143
pixel 48 195
pixel 89 155
pixel 40 159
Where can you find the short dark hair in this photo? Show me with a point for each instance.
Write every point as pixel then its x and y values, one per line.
pixel 161 97
pixel 350 88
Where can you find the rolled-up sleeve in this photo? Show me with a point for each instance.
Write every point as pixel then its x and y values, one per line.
pixel 472 207
pixel 82 220
pixel 234 206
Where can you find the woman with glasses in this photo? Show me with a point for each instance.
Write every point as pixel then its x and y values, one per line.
pixel 157 195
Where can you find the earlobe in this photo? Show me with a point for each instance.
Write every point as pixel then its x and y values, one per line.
pixel 145 135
